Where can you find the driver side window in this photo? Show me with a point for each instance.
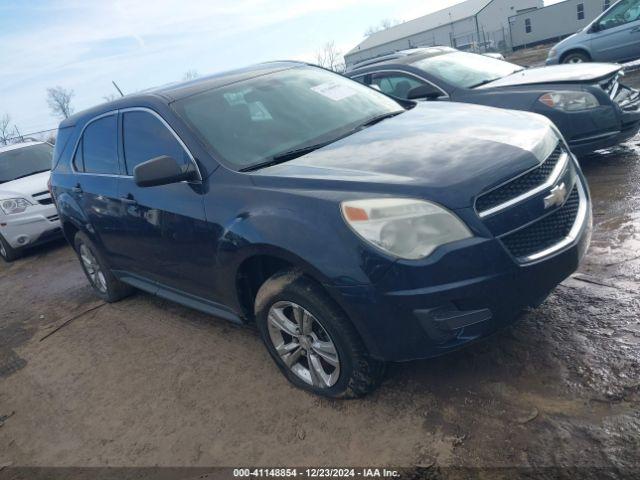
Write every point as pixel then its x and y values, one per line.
pixel 146 137
pixel 396 84
pixel 626 11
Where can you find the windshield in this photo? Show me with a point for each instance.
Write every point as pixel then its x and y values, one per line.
pixel 25 161
pixel 251 122
pixel 466 70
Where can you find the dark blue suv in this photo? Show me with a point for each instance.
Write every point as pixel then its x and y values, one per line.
pixel 351 229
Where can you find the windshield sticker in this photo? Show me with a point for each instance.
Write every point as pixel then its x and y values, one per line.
pixel 334 91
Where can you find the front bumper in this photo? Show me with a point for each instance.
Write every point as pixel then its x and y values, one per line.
pixel 630 125
pixel 38 224
pixel 467 291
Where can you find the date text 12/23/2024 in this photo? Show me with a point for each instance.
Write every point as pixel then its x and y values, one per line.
pixel 315 473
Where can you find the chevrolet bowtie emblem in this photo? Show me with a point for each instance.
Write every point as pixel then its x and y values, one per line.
pixel 557 196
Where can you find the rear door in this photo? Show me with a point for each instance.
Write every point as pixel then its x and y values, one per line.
pixel 95 188
pixel 618 36
pixel 167 235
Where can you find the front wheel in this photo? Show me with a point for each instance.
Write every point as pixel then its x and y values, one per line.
pixel 311 340
pixel 7 252
pixel 576 57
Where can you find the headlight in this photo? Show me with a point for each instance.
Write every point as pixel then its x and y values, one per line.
pixel 570 101
pixel 14 205
pixel 405 228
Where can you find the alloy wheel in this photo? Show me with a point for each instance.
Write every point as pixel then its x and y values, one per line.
pixel 303 344
pixel 92 267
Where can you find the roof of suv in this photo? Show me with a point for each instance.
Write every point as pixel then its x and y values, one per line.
pixel 15 146
pixel 175 91
pixel 403 56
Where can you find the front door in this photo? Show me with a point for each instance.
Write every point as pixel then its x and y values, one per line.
pixel 617 38
pixel 166 238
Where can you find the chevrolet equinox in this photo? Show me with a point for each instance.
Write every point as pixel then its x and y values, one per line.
pixel 351 229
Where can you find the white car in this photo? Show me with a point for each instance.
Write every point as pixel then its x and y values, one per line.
pixel 28 215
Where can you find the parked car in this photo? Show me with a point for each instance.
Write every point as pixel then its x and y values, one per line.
pixel 351 230
pixel 27 214
pixel 589 105
pixel 612 37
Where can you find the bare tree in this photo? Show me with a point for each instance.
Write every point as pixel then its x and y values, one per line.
pixel 330 58
pixel 190 75
pixel 5 131
pixel 383 25
pixel 59 101
pixel 110 97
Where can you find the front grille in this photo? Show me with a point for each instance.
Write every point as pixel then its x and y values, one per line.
pixel 546 232
pixel 43 198
pixel 520 185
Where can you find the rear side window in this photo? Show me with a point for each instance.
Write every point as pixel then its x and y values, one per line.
pixel 395 84
pixel 98 149
pixel 146 137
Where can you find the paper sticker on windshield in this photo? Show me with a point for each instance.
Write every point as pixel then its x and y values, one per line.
pixel 334 91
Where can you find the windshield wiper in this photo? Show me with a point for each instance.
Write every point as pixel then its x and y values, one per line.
pixel 286 156
pixel 29 174
pixel 299 152
pixel 484 82
pixel 378 119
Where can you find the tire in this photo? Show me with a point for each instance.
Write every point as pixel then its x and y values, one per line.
pixel 325 338
pixel 102 280
pixel 7 252
pixel 576 57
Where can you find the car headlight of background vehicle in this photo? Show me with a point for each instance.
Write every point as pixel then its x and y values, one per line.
pixel 14 205
pixel 570 101
pixel 406 228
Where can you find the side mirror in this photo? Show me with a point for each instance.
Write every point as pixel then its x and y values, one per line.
pixel 427 91
pixel 161 171
pixel 595 28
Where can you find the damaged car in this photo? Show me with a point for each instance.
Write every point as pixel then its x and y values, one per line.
pixel 350 229
pixel 587 102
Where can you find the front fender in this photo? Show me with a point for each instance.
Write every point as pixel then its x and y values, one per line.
pixel 323 247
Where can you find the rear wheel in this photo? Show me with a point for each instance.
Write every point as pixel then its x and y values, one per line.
pixel 311 340
pixel 576 57
pixel 104 283
pixel 7 252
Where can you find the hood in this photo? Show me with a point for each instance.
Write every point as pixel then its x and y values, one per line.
pixel 25 187
pixel 446 152
pixel 570 73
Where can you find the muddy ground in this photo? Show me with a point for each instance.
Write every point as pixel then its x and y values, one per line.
pixel 146 382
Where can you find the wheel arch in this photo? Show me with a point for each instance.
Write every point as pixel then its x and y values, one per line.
pixel 575 50
pixel 259 264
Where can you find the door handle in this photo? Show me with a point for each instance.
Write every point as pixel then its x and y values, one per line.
pixel 77 188
pixel 129 199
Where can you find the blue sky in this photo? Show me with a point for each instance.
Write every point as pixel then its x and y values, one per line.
pixel 83 45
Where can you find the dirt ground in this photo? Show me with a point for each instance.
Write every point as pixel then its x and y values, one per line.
pixel 145 382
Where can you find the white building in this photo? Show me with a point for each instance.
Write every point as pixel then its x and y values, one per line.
pixel 477 25
pixel 555 21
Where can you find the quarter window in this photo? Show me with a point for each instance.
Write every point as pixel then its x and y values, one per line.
pixel 527 25
pixel 581 11
pixel 396 84
pixel 146 137
pixel 98 149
